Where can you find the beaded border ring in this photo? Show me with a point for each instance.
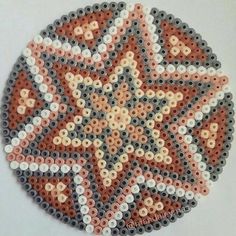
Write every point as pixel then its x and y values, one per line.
pixel 116 119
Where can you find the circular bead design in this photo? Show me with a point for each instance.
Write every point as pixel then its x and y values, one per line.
pixel 116 119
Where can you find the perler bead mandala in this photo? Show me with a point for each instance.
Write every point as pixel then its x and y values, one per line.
pixel 116 119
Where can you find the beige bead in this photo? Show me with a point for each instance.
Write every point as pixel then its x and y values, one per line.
pixel 211 143
pixel 143 212
pixel 159 206
pixel 61 186
pixel 78 30
pixel 49 187
pixel 186 50
pixel 205 133
pixel 24 93
pixel 88 35
pixel 175 51
pixel 148 201
pixel 173 40
pixel 62 198
pixel 214 127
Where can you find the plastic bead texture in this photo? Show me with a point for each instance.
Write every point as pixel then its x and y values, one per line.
pixel 117 119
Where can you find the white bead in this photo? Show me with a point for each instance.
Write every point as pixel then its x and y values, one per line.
pixel 182 129
pixel 151 183
pixel 154 38
pixel 106 231
pixel 107 39
pixel 181 69
pixel 206 175
pixel 22 134
pixel 189 195
pixel 156 48
pixel 180 192
pixel 30 61
pixel 206 108
pixel 24 165
pixel 76 50
pixel 149 19
pixel 86 53
pixel 43 88
pixel 135 189
pixel 201 166
pixel 78 179
pixel 33 166
pixel 112 223
pixel 201 70
pixel 47 41
pixel 118 215
pixel 37 121
pixel 102 48
pixel 8 148
pixel 38 39
pixel 161 187
pixel 84 209
pixel 220 95
pixel 211 71
pixel 56 44
pixel 160 69
pixel 170 68
pixel 170 189
pixel 124 207
pixel 97 57
pixel 226 88
pixel 197 157
pixel 89 229
pixel 48 97
pixel 43 167
pixel 38 79
pixel 45 113
pixel 113 30
pixel 82 200
pixel 54 106
pixel 213 102
pixel 54 168
pixel 191 123
pixel 193 148
pixel 66 47
pixel 152 29
pixel 65 168
pixel 124 14
pixel 76 168
pixel 15 142
pixel 191 69
pixel 188 139
pixel 14 165
pixel 34 70
pixel 129 198
pixel 27 52
pixel 118 22
pixel 29 128
pixel 79 189
pixel 140 179
pixel 198 115
pixel 87 219
pixel 219 72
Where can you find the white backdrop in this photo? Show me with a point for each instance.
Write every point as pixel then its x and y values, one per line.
pixel 215 20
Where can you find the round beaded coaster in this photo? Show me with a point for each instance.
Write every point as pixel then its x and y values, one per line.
pixel 116 119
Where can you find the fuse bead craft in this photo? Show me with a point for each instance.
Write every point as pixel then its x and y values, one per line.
pixel 117 118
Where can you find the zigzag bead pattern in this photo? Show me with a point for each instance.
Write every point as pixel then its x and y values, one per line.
pixel 117 119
